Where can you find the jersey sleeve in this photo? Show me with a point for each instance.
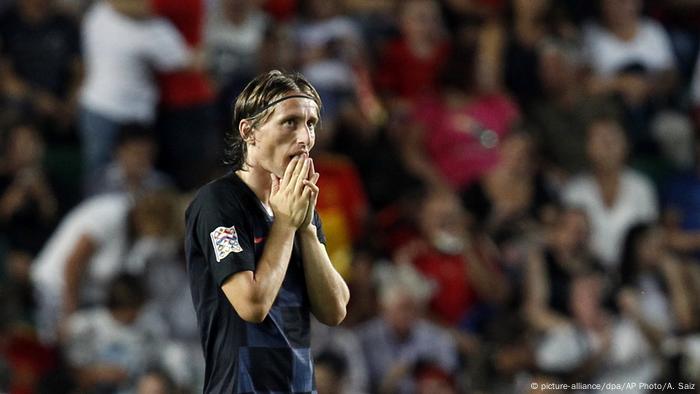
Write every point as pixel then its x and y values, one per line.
pixel 222 230
pixel 319 228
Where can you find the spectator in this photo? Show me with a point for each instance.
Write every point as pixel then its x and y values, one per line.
pixel 94 243
pixel 123 44
pixel 457 259
pixel 400 337
pixel 234 36
pixel 277 50
pixel 512 195
pixel 621 38
pixel 512 46
pixel 654 291
pixel 453 139
pixel 331 50
pixel 630 56
pixel 409 64
pixel 132 169
pixel 597 347
pixel 552 268
pixel 28 207
pixel 613 196
pixel 110 347
pixel 165 276
pixel 322 23
pixel 376 19
pixel 339 345
pixel 330 370
pixel 375 151
pixel 188 136
pixel 40 65
pixel 559 119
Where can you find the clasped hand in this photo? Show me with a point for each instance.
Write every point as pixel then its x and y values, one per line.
pixel 293 197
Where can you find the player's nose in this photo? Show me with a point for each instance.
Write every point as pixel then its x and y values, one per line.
pixel 305 136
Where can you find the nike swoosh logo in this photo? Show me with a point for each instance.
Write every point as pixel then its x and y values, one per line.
pixel 257 240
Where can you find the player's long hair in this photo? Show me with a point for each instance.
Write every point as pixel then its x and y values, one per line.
pixel 252 102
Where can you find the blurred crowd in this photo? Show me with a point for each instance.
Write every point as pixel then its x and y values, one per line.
pixel 511 188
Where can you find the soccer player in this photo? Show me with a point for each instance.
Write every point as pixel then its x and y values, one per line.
pixel 255 254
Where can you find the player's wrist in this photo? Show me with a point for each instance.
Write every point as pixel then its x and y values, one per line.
pixel 308 230
pixel 284 223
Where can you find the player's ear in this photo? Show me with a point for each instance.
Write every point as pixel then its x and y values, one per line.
pixel 245 127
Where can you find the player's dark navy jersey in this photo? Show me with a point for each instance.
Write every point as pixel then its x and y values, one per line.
pixel 227 227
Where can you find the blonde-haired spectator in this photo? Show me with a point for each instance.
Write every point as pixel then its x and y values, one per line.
pixel 400 337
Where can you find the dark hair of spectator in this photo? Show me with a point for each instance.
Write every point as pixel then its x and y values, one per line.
pixel 605 117
pixel 134 132
pixel 337 363
pixel 596 9
pixel 126 291
pixel 458 71
pixel 260 92
pixel 629 266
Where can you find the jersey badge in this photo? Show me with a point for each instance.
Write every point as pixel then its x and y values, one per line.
pixel 225 241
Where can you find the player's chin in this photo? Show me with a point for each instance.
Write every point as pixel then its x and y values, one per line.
pixel 279 170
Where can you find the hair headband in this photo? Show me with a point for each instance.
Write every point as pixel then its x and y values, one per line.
pixel 269 105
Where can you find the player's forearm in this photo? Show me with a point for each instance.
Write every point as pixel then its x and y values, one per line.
pixel 328 292
pixel 272 267
pixel 75 267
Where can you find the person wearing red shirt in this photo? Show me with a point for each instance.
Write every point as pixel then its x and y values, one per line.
pixel 187 123
pixel 410 64
pixel 453 137
pixel 459 261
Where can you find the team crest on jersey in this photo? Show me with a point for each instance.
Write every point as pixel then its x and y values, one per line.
pixel 225 241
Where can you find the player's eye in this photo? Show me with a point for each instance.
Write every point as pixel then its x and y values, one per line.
pixel 289 123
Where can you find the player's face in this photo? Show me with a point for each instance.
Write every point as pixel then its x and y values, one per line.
pixel 290 131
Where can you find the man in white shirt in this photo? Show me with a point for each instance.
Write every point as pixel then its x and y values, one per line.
pixel 96 228
pixel 101 238
pixel 122 46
